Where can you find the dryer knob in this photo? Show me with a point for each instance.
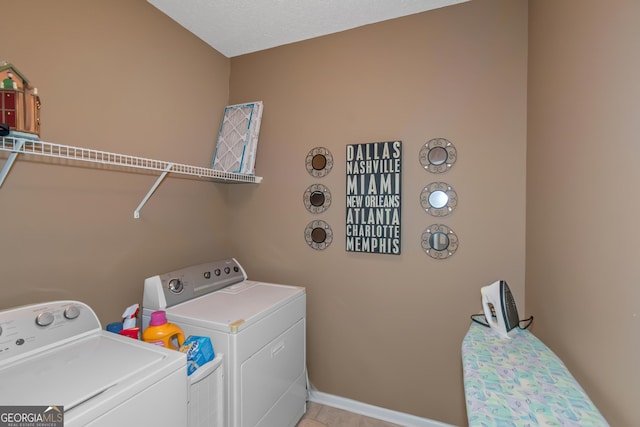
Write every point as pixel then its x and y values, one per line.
pixel 175 286
pixel 44 319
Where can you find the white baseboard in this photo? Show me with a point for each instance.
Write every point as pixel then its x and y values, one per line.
pixel 383 414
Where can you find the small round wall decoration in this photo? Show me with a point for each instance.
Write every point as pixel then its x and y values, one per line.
pixel 317 198
pixel 318 235
pixel 438 155
pixel 439 241
pixel 438 199
pixel 319 162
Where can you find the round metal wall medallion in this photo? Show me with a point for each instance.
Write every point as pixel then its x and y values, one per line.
pixel 318 234
pixel 438 155
pixel 439 241
pixel 317 198
pixel 319 162
pixel 438 199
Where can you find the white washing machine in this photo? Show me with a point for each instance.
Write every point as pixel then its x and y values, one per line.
pixel 259 328
pixel 55 355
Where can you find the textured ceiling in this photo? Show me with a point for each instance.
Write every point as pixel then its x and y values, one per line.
pixel 236 27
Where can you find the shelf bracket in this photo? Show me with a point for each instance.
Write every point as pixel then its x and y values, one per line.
pixel 136 214
pixel 12 158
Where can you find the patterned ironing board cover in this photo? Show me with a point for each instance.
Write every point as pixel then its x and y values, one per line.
pixel 520 382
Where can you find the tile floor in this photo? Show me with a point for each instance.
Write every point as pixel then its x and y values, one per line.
pixel 326 416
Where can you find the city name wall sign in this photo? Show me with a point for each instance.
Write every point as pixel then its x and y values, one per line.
pixel 374 174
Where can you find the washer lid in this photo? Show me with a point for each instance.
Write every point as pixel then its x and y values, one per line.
pixel 234 307
pixel 82 371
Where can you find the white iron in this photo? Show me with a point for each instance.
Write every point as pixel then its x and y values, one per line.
pixel 500 308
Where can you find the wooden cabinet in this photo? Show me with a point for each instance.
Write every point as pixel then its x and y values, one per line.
pixel 19 102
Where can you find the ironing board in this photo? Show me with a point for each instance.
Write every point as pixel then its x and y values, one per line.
pixel 520 382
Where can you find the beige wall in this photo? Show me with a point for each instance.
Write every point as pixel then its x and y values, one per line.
pixel 582 204
pixel 117 76
pixel 387 329
pixel 120 76
pixel 382 329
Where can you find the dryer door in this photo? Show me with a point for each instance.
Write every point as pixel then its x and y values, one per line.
pixel 273 380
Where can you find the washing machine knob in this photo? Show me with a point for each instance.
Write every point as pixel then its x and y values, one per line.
pixel 235 268
pixel 71 312
pixel 217 271
pixel 44 319
pixel 227 270
pixel 175 286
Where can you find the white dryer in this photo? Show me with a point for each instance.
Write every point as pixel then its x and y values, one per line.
pixel 55 354
pixel 260 328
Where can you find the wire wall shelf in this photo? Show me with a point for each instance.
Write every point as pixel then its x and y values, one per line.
pixel 18 146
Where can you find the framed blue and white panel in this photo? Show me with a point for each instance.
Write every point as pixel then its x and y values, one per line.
pixel 238 138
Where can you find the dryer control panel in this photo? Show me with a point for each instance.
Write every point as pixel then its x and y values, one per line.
pixel 169 289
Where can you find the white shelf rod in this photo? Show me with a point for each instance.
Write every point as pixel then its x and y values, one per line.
pixel 48 149
pixel 10 160
pixel 136 213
